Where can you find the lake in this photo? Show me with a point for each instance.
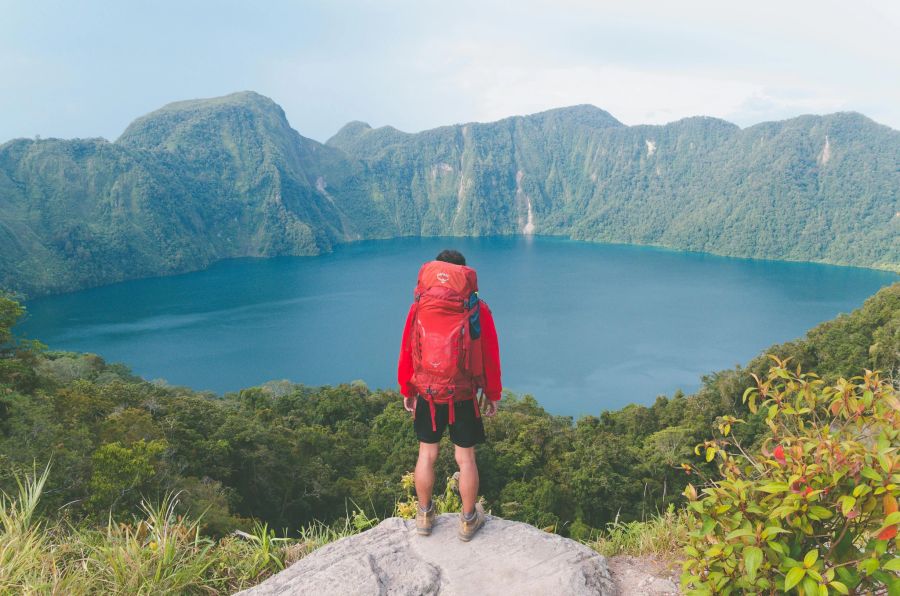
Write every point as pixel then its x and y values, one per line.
pixel 583 327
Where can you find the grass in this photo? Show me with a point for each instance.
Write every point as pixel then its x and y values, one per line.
pixel 23 541
pixel 660 537
pixel 158 552
pixel 448 502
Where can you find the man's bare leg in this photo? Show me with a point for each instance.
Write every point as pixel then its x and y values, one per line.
pixel 468 478
pixel 428 453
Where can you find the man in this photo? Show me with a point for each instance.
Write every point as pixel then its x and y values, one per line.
pixel 448 354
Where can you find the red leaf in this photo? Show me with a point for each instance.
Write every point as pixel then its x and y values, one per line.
pixel 779 454
pixel 888 533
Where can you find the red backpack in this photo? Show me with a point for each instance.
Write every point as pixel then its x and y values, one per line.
pixel 446 335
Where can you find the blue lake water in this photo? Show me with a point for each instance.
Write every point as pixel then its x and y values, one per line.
pixel 583 327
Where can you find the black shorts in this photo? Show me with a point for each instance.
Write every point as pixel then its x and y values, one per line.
pixel 466 430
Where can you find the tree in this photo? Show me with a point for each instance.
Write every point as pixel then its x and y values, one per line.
pixel 10 312
pixel 122 475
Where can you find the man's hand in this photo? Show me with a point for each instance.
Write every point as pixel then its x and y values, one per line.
pixel 409 404
pixel 489 407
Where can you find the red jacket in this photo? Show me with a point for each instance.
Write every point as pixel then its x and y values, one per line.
pixel 490 348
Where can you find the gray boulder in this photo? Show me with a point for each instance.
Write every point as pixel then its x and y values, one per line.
pixel 505 558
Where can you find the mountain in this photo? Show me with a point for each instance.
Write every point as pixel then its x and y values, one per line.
pixel 184 186
pixel 276 191
pixel 811 188
pixel 203 180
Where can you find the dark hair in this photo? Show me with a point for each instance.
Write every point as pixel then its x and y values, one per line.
pixel 451 256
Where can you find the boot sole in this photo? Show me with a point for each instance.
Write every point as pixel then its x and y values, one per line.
pixel 423 531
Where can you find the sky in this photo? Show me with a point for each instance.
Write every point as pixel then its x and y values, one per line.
pixel 88 68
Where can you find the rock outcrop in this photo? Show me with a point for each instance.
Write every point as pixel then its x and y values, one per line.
pixel 505 557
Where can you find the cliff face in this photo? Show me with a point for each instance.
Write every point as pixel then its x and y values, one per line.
pixel 777 190
pixel 189 184
pixel 504 558
pixel 202 180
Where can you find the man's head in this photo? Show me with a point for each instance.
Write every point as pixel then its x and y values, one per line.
pixel 451 256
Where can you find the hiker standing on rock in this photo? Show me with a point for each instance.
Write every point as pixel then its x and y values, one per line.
pixel 448 354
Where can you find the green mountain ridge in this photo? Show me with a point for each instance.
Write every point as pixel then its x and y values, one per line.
pixel 202 180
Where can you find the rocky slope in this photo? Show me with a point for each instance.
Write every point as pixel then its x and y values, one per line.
pixel 504 558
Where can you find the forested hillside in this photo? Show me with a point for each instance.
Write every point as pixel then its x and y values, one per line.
pixel 288 454
pixel 203 180
pixel 777 190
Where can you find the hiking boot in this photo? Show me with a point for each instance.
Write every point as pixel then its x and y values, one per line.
pixel 424 520
pixel 467 528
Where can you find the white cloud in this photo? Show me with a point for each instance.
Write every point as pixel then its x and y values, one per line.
pixel 652 70
pixel 418 65
pixel 503 80
pixel 764 105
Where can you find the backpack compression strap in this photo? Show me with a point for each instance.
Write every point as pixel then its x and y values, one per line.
pixel 452 406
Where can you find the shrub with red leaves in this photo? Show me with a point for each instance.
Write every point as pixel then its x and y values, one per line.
pixel 816 510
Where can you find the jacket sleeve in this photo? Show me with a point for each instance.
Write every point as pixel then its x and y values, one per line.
pixel 405 364
pixel 490 347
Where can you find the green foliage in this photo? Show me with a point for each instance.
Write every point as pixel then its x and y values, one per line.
pixel 121 474
pixel 17 356
pixel 288 455
pixel 661 536
pixel 10 312
pixel 24 541
pixel 157 552
pixel 448 502
pixel 267 556
pixel 317 533
pixel 198 181
pixel 816 509
pixel 160 554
